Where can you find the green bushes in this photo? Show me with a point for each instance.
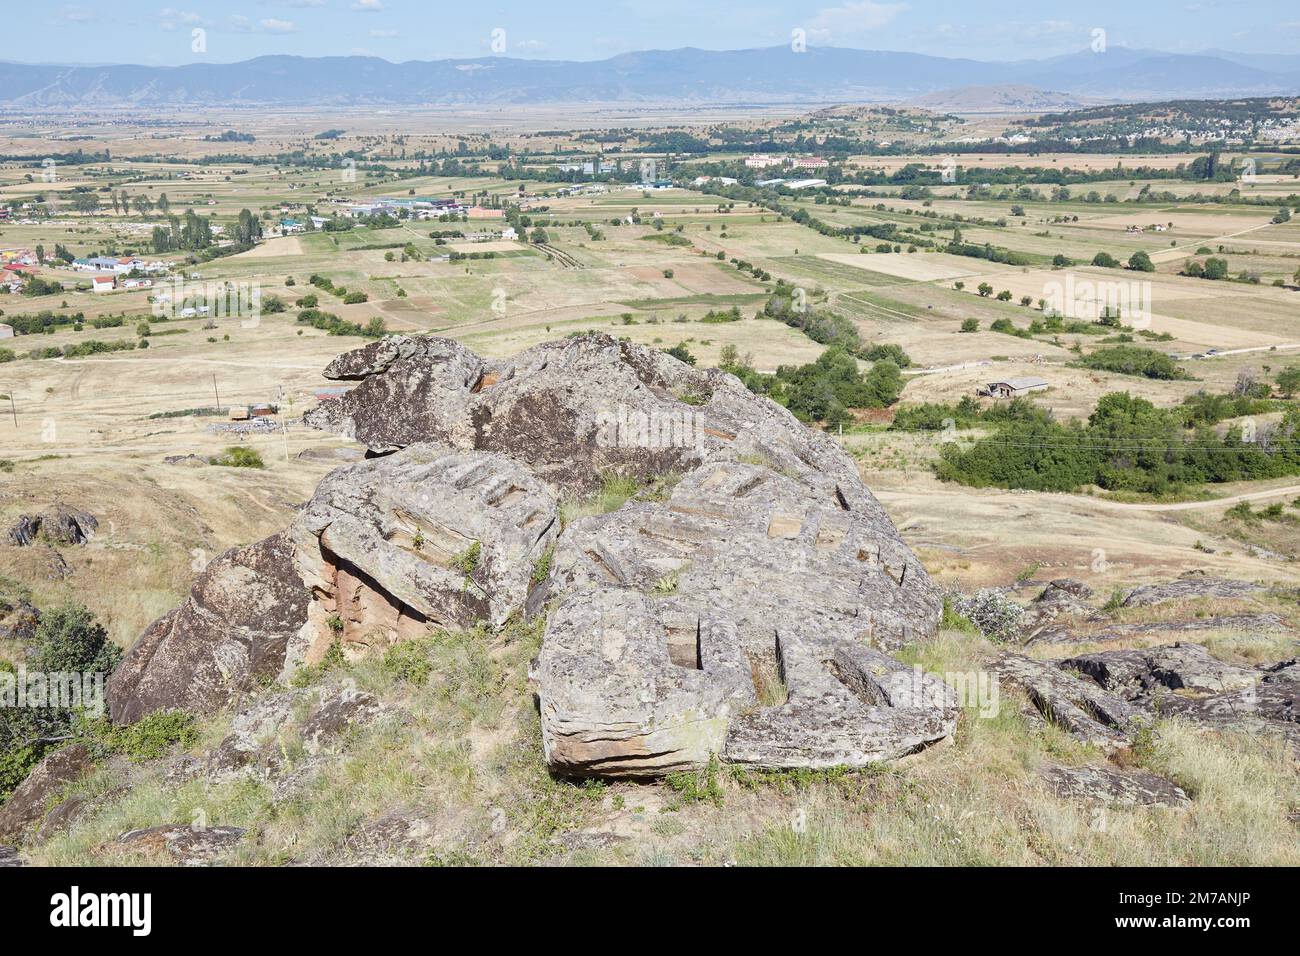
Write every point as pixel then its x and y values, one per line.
pixel 68 640
pixel 825 390
pixel 1134 360
pixel 823 327
pixel 1127 444
pixel 331 323
pixel 238 456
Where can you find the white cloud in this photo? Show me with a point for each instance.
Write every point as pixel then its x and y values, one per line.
pixel 170 18
pixel 852 20
pixel 368 6
pixel 273 25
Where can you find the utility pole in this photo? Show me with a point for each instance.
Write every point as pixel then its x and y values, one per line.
pixel 215 393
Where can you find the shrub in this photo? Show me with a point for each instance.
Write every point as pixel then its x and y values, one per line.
pixel 996 615
pixel 239 456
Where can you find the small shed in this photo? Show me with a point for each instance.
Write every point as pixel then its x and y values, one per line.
pixel 1015 387
pixel 239 413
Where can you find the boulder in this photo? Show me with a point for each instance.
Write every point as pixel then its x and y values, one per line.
pixel 26 807
pixel 1189 588
pixel 672 614
pixel 744 615
pixel 59 524
pixel 1135 674
pixel 9 857
pixel 1114 787
pixel 231 632
pixel 411 390
pixel 186 844
pixel 1074 703
pixel 18 619
pixel 573 410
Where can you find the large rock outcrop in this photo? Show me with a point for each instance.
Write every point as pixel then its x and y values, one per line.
pixel 743 611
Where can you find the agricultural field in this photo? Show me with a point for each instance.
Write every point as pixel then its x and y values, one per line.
pixel 882 313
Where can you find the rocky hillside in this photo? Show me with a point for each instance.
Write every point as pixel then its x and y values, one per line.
pixel 593 604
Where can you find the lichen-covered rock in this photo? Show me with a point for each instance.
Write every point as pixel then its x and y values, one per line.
pixel 230 633
pixel 26 807
pixel 425 536
pixel 1075 703
pixel 411 390
pixel 186 844
pixel 746 617
pixel 1114 787
pixel 59 524
pixel 1189 588
pixel 672 611
pixel 1141 673
pixel 18 619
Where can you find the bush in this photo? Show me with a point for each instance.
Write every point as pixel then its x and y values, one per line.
pixel 239 456
pixel 69 639
pixel 996 615
pixel 1134 360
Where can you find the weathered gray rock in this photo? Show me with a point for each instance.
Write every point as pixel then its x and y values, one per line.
pixel 423 536
pixel 411 390
pixel 1189 588
pixel 1141 673
pixel 1261 623
pixel 26 807
pixel 231 632
pixel 399 837
pixel 1103 698
pixel 9 857
pixel 672 611
pixel 745 617
pixel 18 619
pixel 1076 704
pixel 59 524
pixel 188 845
pixel 63 817
pixel 1114 787
pixel 339 710
pixel 572 410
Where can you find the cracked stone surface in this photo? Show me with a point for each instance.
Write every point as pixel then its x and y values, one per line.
pixel 747 616
pixel 1114 787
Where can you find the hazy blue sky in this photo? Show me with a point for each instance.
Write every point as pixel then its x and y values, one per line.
pixel 137 31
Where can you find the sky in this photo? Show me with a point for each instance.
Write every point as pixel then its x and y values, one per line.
pixel 138 31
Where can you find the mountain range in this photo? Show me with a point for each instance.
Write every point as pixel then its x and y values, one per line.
pixel 688 75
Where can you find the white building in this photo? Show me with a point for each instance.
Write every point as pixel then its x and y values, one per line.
pixel 103 283
pixel 761 161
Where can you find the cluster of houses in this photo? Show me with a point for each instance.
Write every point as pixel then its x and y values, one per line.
pixel 127 272
pixel 15 266
pixel 763 160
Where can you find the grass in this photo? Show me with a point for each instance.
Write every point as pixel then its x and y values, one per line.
pixel 464 749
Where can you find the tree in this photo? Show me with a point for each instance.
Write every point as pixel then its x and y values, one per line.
pixel 1141 262
pixel 1288 380
pixel 85 202
pixel 247 229
pixel 970 325
pixel 1106 260
pixel 985 289
pixel 1216 268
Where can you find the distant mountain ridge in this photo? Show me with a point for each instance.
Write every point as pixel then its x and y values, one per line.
pixel 776 74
